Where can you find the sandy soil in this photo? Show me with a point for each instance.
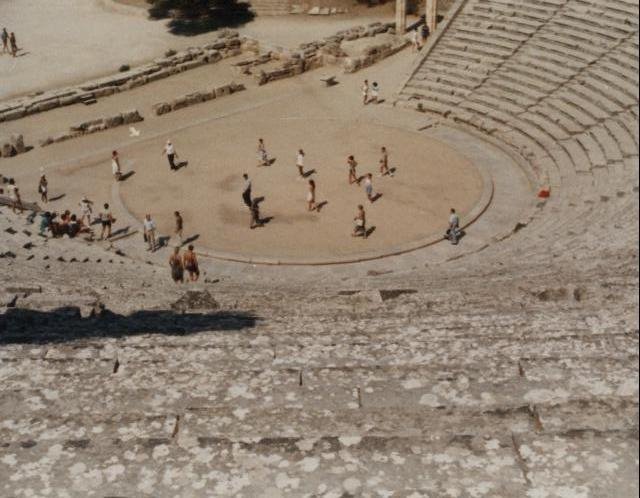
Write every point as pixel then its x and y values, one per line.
pixel 68 41
pixel 218 140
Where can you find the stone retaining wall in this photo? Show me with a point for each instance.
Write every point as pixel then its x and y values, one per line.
pixel 373 55
pixel 196 98
pixel 94 126
pixel 228 44
pixel 318 53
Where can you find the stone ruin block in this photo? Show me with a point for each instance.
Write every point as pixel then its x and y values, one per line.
pixel 161 108
pixel 132 116
pixel 314 11
pixel 223 90
pixel 113 121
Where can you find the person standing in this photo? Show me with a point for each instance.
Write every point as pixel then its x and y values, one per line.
pixel 453 232
pixel 375 92
pixel 311 196
pixel 177 268
pixel 384 163
pixel 106 220
pixel 263 157
pixel 351 163
pixel 149 227
pixel 5 40
pixel 246 191
pixel 368 187
pixel 171 153
pixel 179 225
pixel 190 262
pixel 415 40
pixel 365 92
pixel 115 166
pixel 86 209
pixel 14 196
pixel 43 189
pixel 300 163
pixel 13 43
pixel 359 228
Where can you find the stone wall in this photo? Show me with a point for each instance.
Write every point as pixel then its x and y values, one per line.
pixel 196 98
pixel 95 125
pixel 318 53
pixel 372 55
pixel 228 44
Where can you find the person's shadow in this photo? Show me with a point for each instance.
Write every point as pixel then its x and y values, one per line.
pixel 368 233
pixel 307 174
pixel 128 174
pixel 320 205
pixel 181 164
pixel 376 197
pixel 188 240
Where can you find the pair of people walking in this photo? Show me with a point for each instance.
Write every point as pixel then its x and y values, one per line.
pixel 9 43
pixel 187 261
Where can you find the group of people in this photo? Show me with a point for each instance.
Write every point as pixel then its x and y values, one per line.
pixel 9 44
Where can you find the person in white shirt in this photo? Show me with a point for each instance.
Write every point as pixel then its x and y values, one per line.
pixel 375 92
pixel 300 163
pixel 14 196
pixel 171 153
pixel 150 232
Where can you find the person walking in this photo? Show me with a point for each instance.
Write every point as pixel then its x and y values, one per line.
pixel 171 153
pixel 359 228
pixel 263 157
pixel 368 187
pixel 177 268
pixel 190 262
pixel 415 40
pixel 351 163
pixel 149 227
pixel 246 191
pixel 384 163
pixel 255 215
pixel 453 231
pixel 106 220
pixel 179 225
pixel 13 43
pixel 5 40
pixel 300 163
pixel 311 196
pixel 86 209
pixel 365 92
pixel 375 93
pixel 115 166
pixel 43 189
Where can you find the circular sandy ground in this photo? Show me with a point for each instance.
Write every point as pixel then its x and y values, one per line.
pixel 412 210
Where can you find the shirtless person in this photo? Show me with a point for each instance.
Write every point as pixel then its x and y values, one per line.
pixel 384 162
pixel 179 225
pixel 311 196
pixel 177 269
pixel 353 177
pixel 359 228
pixel 190 262
pixel 106 220
pixel 365 92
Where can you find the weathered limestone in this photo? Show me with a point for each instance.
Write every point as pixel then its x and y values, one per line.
pixel 94 125
pixel 197 97
pixel 12 145
pixel 228 44
pixel 401 16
